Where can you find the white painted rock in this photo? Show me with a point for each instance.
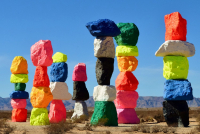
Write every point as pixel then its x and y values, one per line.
pixel 104 47
pixel 60 91
pixel 104 93
pixel 80 111
pixel 176 47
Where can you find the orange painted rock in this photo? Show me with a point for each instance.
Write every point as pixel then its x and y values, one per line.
pixel 41 78
pixel 19 115
pixel 19 65
pixel 127 63
pixel 126 81
pixel 41 97
pixel 175 27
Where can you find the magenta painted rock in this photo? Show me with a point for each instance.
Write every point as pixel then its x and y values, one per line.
pixel 57 112
pixel 127 116
pixel 126 99
pixel 18 103
pixel 41 53
pixel 79 73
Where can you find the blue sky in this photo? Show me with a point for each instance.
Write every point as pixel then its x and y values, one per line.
pixel 22 23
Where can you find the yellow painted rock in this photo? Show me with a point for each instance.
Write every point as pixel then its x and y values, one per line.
pixel 41 97
pixel 19 78
pixel 59 57
pixel 127 63
pixel 19 65
pixel 175 67
pixel 127 51
pixel 39 116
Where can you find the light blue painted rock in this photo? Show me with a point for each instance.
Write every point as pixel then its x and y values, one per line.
pixel 59 72
pixel 19 95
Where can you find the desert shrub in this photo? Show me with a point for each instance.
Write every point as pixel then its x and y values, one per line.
pixel 81 119
pixel 87 127
pixel 144 128
pixel 155 129
pixel 5 128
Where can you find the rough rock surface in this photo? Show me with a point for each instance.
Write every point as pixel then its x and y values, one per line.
pixel 104 70
pixel 126 99
pixel 60 91
pixel 57 112
pixel 103 27
pixel 127 63
pixel 127 51
pixel 176 113
pixel 127 116
pixel 79 73
pixel 19 78
pixel 59 57
pixel 80 111
pixel 41 97
pixel 19 115
pixel 18 103
pixel 104 93
pixel 176 47
pixel 178 90
pixel 104 47
pixel 19 95
pixel 129 34
pixel 175 67
pixel 175 27
pixel 41 78
pixel 104 112
pixel 20 86
pixel 126 81
pixel 39 116
pixel 80 91
pixel 59 72
pixel 19 65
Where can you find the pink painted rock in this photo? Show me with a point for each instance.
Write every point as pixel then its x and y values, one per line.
pixel 41 53
pixel 57 112
pixel 79 73
pixel 126 99
pixel 127 116
pixel 18 103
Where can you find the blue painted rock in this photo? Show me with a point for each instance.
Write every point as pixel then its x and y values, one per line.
pixel 19 95
pixel 103 27
pixel 59 72
pixel 178 90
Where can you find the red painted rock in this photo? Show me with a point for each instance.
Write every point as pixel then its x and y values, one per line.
pixel 18 103
pixel 126 81
pixel 19 115
pixel 126 99
pixel 79 73
pixel 57 112
pixel 41 53
pixel 41 78
pixel 175 27
pixel 127 116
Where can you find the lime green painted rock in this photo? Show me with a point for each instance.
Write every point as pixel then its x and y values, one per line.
pixel 59 57
pixel 20 86
pixel 19 78
pixel 104 114
pixel 175 67
pixel 39 116
pixel 127 51
pixel 129 34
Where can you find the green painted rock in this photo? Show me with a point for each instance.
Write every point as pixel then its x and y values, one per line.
pixel 175 67
pixel 129 34
pixel 20 86
pixel 19 78
pixel 127 51
pixel 59 57
pixel 104 114
pixel 39 116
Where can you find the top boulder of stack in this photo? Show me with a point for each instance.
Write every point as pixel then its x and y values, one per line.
pixel 59 57
pixel 19 65
pixel 79 73
pixel 103 27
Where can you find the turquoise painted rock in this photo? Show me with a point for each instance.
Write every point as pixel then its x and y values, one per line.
pixel 39 116
pixel 104 114
pixel 20 86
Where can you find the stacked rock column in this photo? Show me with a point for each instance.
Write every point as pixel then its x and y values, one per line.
pixel 126 83
pixel 19 77
pixel 80 93
pixel 175 51
pixel 41 96
pixel 104 94
pixel 59 89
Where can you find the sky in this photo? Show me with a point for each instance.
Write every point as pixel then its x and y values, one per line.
pixel 23 23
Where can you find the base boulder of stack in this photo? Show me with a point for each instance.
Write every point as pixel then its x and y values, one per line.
pixel 19 115
pixel 127 116
pixel 80 111
pixel 39 116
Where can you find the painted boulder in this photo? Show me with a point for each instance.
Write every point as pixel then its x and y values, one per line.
pixel 39 117
pixel 59 57
pixel 127 116
pixel 18 103
pixel 19 95
pixel 79 73
pixel 19 78
pixel 19 115
pixel 41 78
pixel 104 93
pixel 20 86
pixel 127 51
pixel 80 91
pixel 59 72
pixel 127 63
pixel 19 65
pixel 80 111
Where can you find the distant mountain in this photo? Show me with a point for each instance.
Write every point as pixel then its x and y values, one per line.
pixel 143 102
